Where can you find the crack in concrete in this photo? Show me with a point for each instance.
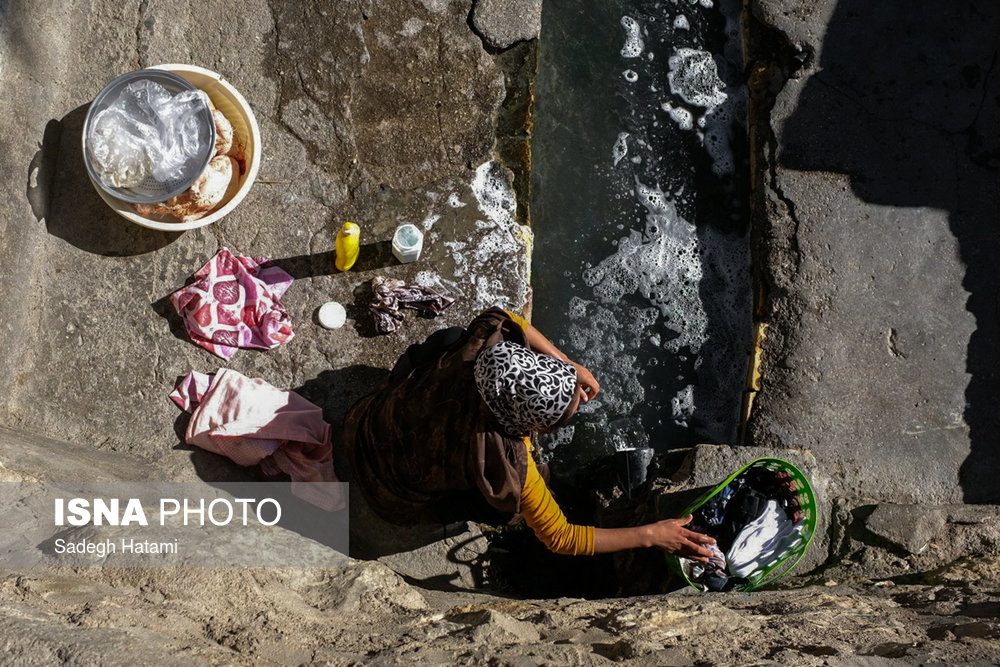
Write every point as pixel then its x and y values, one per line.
pixel 143 6
pixel 438 103
pixel 774 186
pixel 776 61
pixel 986 86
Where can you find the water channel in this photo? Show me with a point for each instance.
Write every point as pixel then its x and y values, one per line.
pixel 640 208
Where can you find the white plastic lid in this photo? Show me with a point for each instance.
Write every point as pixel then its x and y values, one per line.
pixel 331 315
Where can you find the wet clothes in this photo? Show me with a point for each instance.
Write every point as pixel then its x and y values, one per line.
pixel 754 520
pixel 424 445
pixel 713 575
pixel 233 302
pixel 769 535
pixel 251 422
pixel 390 296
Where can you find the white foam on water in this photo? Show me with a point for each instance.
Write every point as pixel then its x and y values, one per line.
pixel 620 149
pixel 496 247
pixel 633 38
pixel 602 342
pixel 694 76
pixel 429 221
pixel 454 201
pixel 577 307
pixel 682 405
pixel 662 265
pixel 680 115
pixel 494 195
pixel 461 263
pixel 647 293
pixel 551 441
pixel 427 279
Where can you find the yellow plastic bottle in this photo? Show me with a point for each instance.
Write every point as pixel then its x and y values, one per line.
pixel 347 246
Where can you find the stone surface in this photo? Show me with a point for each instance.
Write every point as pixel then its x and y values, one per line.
pixel 365 613
pixel 26 457
pixel 489 626
pixel 452 563
pixel 502 23
pixel 908 527
pixel 877 164
pixel 376 113
pixel 889 540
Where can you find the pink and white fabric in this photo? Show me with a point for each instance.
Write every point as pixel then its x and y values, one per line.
pixel 252 422
pixel 235 302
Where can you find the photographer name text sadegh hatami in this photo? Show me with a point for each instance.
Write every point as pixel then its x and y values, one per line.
pixel 102 548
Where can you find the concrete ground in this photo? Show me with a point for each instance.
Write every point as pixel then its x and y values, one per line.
pixel 375 114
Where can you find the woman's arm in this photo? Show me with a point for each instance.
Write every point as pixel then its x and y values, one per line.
pixel 542 513
pixel 669 535
pixel 539 343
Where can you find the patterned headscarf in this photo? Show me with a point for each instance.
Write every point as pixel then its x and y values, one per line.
pixel 526 391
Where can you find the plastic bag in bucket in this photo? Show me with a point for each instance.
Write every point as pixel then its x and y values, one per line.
pixel 762 517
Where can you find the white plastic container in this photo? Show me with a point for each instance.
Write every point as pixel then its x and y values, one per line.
pixel 407 243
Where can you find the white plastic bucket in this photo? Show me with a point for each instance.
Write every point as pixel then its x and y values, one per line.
pixel 233 105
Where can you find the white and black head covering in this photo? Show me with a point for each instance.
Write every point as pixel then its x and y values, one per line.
pixel 526 391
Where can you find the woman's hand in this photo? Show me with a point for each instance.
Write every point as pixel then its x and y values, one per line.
pixel 587 382
pixel 669 535
pixel 672 537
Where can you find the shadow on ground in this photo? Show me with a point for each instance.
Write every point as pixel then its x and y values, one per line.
pixel 60 192
pixel 906 101
pixel 335 391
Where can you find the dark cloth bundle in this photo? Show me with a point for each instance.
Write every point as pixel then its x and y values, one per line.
pixel 390 296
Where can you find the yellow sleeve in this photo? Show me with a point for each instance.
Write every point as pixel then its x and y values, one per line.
pixel 523 323
pixel 541 512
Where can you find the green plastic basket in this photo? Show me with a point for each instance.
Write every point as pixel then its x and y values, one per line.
pixel 781 565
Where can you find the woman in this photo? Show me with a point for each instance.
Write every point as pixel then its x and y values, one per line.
pixel 448 433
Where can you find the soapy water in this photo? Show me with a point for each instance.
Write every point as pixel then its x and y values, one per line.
pixel 621 148
pixel 633 39
pixel 641 251
pixel 491 259
pixel 496 247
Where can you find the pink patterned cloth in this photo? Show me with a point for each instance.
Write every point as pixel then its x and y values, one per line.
pixel 251 422
pixel 233 303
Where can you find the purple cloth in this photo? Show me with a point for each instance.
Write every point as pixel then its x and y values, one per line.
pixel 389 296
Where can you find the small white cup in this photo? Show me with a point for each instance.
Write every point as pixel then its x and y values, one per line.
pixel 407 243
